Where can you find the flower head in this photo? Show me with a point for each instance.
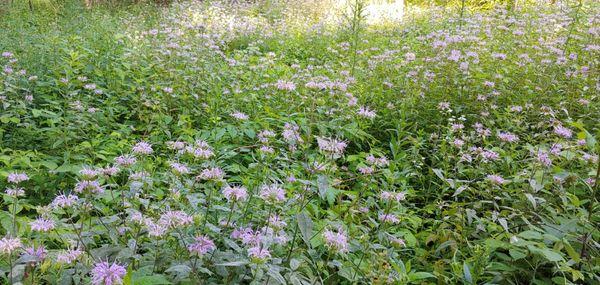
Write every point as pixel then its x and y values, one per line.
pixel 9 244
pixel 337 241
pixel 202 245
pixel 104 273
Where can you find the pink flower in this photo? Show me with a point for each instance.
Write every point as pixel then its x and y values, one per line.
pixel 235 193
pixel 42 225
pixel 15 192
pixel 496 179
pixel 392 196
pixel 179 168
pixel 125 160
pixel 142 147
pixel 69 256
pixel 104 273
pixel 332 146
pixel 507 137
pixel 272 193
pixel 544 158
pixel 366 112
pixel 8 244
pixel 285 85
pixel 337 241
pixel 259 254
pixel 202 245
pixel 388 218
pixel 563 132
pixel 214 173
pixel 40 252
pixel 239 116
pixel 89 186
pixel 17 178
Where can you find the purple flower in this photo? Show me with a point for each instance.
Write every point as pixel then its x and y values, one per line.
pixel 544 158
pixel 563 132
pixel 239 116
pixel 104 273
pixel 366 113
pixel 507 137
pixel 17 178
pixel 142 147
pixel 495 179
pixel 332 146
pixel 8 244
pixel 259 254
pixel 214 173
pixel 202 245
pixel 125 160
pixel 42 225
pixel 40 252
pixel 388 218
pixel 69 256
pixel 15 192
pixel 235 193
pixel 272 193
pixel 89 186
pixel 179 168
pixel 337 241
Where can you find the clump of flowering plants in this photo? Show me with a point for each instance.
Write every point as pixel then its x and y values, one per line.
pixel 198 144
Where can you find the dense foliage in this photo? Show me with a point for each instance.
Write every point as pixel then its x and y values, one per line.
pixel 252 143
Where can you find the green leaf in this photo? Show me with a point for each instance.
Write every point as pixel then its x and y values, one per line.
pixel 151 280
pixel 305 225
pixel 420 275
pixel 467 273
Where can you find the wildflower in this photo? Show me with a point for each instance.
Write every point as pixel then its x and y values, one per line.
pixel 176 145
pixel 366 170
pixel 290 133
pixel 39 252
pixel 332 146
pixel 202 245
pixel 276 222
pixel 272 193
pixel 285 85
pixel 239 116
pixel 495 179
pixel 544 158
pixel 258 254
pixel 398 242
pixel 42 225
pixel 90 86
pixel 507 137
pixel 15 192
pixel 142 147
pixel 179 168
pixel 9 245
pixel 88 174
pixel 17 178
pixel 89 186
pixel 104 273
pixel 264 135
pixel 214 173
pixel 389 196
pixel 366 112
pixel 563 132
pixel 110 170
pixel 388 218
pixel 266 149
pixel 337 241
pixel 489 155
pixel 175 219
pixel 235 193
pixel 125 160
pixel 155 229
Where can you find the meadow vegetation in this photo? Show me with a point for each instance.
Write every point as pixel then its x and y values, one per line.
pixel 293 142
